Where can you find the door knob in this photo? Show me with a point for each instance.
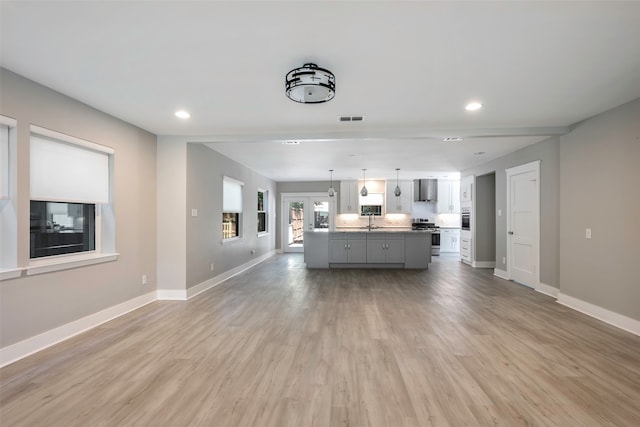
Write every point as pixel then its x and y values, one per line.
pixel 510 232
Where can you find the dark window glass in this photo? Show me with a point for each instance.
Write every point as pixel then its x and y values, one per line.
pixel 260 201
pixel 262 222
pixel 61 228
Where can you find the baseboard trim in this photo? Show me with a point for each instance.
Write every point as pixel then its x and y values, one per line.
pixel 22 349
pixel 501 274
pixel 172 295
pixel 215 281
pixel 484 264
pixel 618 320
pixel 547 290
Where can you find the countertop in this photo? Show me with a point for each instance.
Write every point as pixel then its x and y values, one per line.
pixel 378 230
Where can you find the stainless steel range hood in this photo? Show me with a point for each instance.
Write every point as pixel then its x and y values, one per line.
pixel 425 190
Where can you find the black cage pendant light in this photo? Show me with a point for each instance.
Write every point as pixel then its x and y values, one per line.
pixel 397 192
pixel 310 84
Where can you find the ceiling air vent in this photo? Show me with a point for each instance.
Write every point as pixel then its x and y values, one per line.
pixel 350 118
pixel 452 139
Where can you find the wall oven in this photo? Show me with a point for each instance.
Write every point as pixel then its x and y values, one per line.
pixel 465 216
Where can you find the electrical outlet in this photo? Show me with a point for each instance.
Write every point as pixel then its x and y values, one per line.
pixel 194 212
pixel 211 266
pixel 587 233
pixel 144 279
pixel 499 212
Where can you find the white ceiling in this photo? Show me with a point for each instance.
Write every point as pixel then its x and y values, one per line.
pixel 407 67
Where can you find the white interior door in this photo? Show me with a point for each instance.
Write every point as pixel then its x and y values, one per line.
pixel 523 223
pixel 302 213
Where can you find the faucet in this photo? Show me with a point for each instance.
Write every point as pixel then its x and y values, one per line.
pixel 370 219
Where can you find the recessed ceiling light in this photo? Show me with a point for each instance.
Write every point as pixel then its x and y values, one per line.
pixel 291 143
pixel 182 114
pixel 452 139
pixel 473 106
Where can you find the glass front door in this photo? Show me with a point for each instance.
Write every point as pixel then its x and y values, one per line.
pixel 303 214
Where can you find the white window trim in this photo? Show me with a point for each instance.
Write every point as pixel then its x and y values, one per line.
pixel 231 240
pixel 11 273
pixel 70 139
pixel 64 262
pixel 67 261
pixel 240 235
pixel 265 201
pixel 8 218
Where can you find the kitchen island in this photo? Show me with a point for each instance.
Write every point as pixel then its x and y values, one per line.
pixel 376 248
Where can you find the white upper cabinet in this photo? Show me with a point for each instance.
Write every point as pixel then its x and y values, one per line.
pixel 402 204
pixel 349 194
pixel 448 196
pixel 466 189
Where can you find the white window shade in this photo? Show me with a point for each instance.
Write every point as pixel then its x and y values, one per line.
pixel 61 171
pixel 231 195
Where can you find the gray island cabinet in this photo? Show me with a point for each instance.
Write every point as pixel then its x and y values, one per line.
pixel 367 249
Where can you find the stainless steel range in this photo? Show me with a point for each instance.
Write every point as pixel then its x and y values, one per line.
pixel 423 224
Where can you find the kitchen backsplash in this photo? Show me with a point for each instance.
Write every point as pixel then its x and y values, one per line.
pixel 393 220
pixel 426 210
pixel 429 210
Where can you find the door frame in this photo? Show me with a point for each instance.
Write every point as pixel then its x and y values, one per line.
pixel 516 170
pixel 284 220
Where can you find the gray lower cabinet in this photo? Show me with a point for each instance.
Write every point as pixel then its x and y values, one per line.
pixel 385 248
pixel 379 249
pixel 417 250
pixel 347 248
pixel 315 249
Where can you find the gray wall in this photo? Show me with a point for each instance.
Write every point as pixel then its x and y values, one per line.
pixel 205 171
pixel 600 189
pixel 548 152
pixel 485 218
pixel 32 305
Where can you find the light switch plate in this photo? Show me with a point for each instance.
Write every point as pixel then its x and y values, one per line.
pixel 587 233
pixel 194 212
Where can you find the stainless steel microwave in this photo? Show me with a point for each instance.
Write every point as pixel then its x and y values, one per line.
pixel 370 210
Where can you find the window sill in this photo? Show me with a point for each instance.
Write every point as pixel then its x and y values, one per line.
pixel 266 233
pixel 231 241
pixel 10 274
pixel 64 263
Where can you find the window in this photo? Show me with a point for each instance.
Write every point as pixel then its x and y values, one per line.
pixel 263 202
pixel 61 228
pixel 231 208
pixel 69 184
pixel 8 203
pixel 4 161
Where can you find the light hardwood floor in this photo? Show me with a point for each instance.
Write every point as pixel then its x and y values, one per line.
pixel 280 345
